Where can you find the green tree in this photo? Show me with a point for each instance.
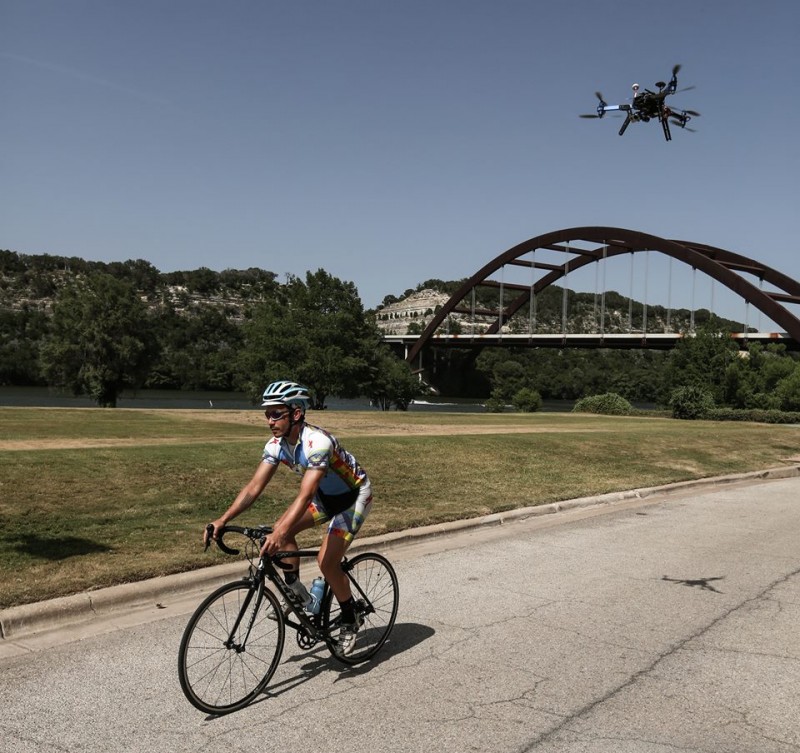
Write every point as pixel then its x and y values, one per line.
pixel 508 378
pixel 314 331
pixel 751 380
pixel 21 334
pixel 392 382
pixel 701 361
pixel 100 340
pixel 788 390
pixel 198 349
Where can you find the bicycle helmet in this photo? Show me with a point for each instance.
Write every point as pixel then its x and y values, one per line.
pixel 286 393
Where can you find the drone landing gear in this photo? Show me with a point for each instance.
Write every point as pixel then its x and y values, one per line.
pixel 627 122
pixel 665 126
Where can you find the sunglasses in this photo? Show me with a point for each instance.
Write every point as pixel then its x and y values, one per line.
pixel 276 415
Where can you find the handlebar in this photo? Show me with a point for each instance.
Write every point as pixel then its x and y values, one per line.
pixel 256 534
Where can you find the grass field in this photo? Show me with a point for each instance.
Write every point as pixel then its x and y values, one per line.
pixel 92 497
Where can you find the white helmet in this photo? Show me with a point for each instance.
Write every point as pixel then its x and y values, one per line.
pixel 286 393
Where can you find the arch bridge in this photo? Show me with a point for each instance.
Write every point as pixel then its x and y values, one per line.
pixel 580 247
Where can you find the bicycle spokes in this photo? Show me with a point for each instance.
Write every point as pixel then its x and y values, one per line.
pixel 374 586
pixel 231 648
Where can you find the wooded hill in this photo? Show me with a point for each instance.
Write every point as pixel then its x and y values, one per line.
pixel 232 330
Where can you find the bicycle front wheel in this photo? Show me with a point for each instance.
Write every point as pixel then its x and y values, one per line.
pixel 374 586
pixel 230 648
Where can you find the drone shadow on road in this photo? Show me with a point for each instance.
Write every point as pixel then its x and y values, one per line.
pixel 702 583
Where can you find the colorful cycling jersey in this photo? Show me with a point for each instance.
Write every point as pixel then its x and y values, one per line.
pixel 317 449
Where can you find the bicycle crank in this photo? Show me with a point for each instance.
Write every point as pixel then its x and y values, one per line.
pixel 304 640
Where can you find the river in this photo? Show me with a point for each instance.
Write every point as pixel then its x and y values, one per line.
pixel 42 397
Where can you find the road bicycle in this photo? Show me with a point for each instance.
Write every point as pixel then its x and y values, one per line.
pixel 233 642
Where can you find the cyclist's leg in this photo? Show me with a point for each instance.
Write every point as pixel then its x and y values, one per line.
pixel 308 520
pixel 342 529
pixel 329 559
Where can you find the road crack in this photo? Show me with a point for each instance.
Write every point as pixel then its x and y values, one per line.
pixel 651 667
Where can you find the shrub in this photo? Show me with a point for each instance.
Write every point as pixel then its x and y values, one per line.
pixel 494 405
pixel 690 402
pixel 527 400
pixel 609 404
pixel 754 414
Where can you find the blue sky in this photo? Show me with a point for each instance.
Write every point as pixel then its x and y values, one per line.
pixel 391 142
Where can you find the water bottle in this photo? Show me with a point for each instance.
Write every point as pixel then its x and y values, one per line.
pixel 301 594
pixel 317 589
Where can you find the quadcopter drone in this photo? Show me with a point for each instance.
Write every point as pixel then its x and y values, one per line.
pixel 647 105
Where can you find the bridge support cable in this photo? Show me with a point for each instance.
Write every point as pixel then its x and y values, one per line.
pixel 630 298
pixel 500 308
pixel 721 265
pixel 691 312
pixel 713 291
pixel 564 296
pixel 594 299
pixel 603 306
pixel 746 319
pixel 472 315
pixel 644 303
pixel 669 295
pixel 532 302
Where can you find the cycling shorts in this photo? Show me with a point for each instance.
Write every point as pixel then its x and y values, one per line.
pixel 347 522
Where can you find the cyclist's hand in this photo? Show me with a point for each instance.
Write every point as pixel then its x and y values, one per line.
pixel 210 532
pixel 273 543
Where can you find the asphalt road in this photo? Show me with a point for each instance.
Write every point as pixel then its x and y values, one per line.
pixel 670 624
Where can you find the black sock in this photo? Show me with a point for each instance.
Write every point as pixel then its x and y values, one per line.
pixel 348 611
pixel 290 576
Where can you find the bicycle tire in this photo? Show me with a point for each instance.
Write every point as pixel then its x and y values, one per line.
pixel 217 678
pixel 377 582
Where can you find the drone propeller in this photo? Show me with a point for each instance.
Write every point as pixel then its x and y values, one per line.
pixel 600 107
pixel 682 124
pixel 693 113
pixel 675 69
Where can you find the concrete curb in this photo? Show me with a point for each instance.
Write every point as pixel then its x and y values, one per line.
pixel 17 622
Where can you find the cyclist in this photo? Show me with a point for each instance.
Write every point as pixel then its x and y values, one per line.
pixel 334 489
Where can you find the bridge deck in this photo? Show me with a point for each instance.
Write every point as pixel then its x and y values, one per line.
pixel 631 340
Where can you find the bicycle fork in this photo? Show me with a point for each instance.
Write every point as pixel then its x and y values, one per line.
pixel 231 642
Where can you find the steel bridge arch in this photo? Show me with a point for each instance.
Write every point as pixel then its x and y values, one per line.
pixel 719 264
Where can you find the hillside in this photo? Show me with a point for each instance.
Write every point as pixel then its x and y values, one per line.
pixel 412 313
pixel 31 282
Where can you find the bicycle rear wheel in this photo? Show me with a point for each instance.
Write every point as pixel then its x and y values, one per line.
pixel 230 648
pixel 374 586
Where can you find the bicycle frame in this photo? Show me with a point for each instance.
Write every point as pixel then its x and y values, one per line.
pixel 310 623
